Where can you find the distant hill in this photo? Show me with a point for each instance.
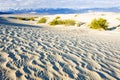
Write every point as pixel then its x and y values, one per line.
pixel 5 13
pixel 60 10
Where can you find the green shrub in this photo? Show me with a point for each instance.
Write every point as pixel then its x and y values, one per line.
pixel 42 20
pixel 99 24
pixel 66 22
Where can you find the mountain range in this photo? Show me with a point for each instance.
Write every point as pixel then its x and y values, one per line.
pixel 59 10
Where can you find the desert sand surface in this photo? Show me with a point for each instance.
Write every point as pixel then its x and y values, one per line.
pixel 30 51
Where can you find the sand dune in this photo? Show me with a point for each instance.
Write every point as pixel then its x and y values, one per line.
pixel 32 52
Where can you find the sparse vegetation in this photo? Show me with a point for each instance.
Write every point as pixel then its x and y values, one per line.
pixel 118 19
pixel 56 22
pixel 31 18
pixel 99 24
pixel 69 22
pixel 66 22
pixel 58 17
pixel 26 19
pixel 42 20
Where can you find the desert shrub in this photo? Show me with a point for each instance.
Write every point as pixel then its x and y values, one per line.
pixel 42 20
pixel 56 22
pixel 58 17
pixel 26 19
pixel 31 19
pixel 69 22
pixel 99 24
pixel 118 18
pixel 66 22
pixel 21 18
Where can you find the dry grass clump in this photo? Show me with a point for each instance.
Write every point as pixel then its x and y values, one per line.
pixel 42 20
pixel 58 17
pixel 56 22
pixel 69 22
pixel 66 22
pixel 99 24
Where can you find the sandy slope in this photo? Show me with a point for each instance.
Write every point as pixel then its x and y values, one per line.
pixel 61 53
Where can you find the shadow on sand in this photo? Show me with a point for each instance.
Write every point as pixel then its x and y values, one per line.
pixel 6 22
pixel 113 28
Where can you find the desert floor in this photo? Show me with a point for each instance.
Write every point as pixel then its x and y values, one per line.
pixel 43 52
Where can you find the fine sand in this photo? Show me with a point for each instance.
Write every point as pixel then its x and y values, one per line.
pixel 30 51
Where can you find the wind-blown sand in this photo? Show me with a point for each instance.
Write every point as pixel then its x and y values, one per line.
pixel 33 52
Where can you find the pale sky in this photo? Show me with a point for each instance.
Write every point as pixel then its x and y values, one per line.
pixel 75 4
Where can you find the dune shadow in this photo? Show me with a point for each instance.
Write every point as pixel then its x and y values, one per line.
pixel 6 22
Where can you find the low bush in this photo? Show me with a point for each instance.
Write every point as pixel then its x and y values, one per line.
pixel 21 18
pixel 66 22
pixel 26 19
pixel 42 20
pixel 58 17
pixel 99 24
pixel 69 22
pixel 31 19
pixel 56 22
pixel 118 19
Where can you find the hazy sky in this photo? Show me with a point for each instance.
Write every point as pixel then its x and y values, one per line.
pixel 15 4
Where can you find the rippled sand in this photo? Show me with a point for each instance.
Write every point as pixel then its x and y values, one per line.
pixel 47 53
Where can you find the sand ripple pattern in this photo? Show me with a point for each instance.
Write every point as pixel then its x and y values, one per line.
pixel 28 53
